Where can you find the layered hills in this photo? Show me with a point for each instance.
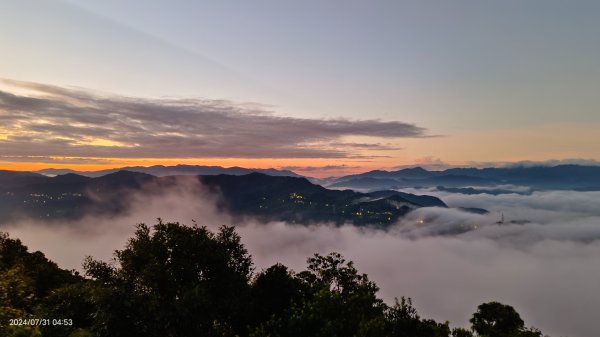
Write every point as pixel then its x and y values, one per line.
pixel 162 170
pixel 268 198
pixel 561 177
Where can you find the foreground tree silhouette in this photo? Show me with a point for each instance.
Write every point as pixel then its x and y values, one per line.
pixel 273 292
pixel 495 319
pixel 402 320
pixel 26 280
pixel 172 280
pixel 175 281
pixel 336 301
pixel 16 299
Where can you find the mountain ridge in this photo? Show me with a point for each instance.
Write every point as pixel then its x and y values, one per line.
pixel 180 169
pixel 560 177
pixel 267 198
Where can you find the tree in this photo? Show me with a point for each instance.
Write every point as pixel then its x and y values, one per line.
pixel 273 292
pixel 495 319
pixel 27 279
pixel 460 332
pixel 74 302
pixel 531 332
pixel 402 320
pixel 173 280
pixel 16 299
pixel 337 301
pixel 44 274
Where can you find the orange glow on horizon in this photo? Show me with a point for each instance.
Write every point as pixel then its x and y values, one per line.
pixel 315 167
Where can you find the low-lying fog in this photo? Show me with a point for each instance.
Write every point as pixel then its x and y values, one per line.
pixel 547 268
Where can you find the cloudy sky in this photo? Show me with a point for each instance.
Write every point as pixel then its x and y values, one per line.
pixel 343 85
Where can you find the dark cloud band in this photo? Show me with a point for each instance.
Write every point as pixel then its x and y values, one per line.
pixel 64 122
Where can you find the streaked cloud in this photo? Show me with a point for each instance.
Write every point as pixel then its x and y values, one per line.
pixel 57 160
pixel 45 120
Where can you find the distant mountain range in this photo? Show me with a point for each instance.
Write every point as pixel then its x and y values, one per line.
pixel 268 198
pixel 369 198
pixel 561 177
pixel 462 180
pixel 161 171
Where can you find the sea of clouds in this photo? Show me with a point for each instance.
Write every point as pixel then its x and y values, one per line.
pixel 546 264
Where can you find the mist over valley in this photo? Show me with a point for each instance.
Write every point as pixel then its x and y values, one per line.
pixel 425 242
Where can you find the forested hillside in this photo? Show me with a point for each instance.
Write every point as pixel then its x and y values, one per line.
pixel 264 197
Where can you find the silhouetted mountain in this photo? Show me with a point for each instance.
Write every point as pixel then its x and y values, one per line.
pixel 474 210
pixel 161 171
pixel 471 190
pixel 297 200
pixel 455 180
pixel 15 178
pixel 542 177
pixel 450 180
pixel 269 198
pixel 51 172
pixel 366 183
pixel 407 173
pixel 423 200
pixel 571 177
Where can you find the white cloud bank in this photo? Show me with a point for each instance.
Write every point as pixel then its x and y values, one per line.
pixel 548 269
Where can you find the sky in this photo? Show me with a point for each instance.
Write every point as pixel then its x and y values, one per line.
pixel 344 86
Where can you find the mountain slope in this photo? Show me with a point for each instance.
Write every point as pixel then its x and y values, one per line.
pixel 268 198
